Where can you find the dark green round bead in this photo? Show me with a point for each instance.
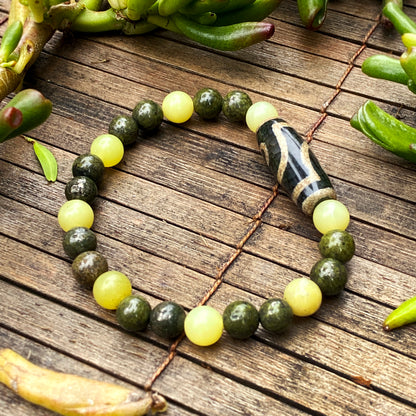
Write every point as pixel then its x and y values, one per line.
pixel 337 245
pixel 275 315
pixel 125 128
pixel 81 187
pixel 330 275
pixel 133 313
pixel 241 319
pixel 79 239
pixel 235 105
pixel 148 115
pixel 87 266
pixel 208 103
pixel 88 165
pixel 167 319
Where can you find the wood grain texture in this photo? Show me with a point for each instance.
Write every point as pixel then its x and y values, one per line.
pixel 173 212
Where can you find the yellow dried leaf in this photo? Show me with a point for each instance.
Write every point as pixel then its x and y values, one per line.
pixel 72 395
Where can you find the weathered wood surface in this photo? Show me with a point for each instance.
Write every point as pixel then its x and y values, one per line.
pixel 173 211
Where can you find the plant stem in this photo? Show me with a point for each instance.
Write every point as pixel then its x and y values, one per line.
pixel 400 20
pixel 35 35
pixel 94 21
pixel 398 2
pixel 93 4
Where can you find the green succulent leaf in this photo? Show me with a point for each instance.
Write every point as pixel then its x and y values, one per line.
pixel 46 159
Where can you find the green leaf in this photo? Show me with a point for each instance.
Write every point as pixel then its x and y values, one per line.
pixel 46 159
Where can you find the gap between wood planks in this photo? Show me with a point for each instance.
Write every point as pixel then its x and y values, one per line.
pixel 257 219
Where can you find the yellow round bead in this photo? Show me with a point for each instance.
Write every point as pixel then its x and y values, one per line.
pixel 108 148
pixel 75 213
pixel 178 107
pixel 304 296
pixel 111 288
pixel 203 325
pixel 258 114
pixel 330 215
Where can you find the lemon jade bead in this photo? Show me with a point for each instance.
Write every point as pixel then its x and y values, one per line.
pixel 108 148
pixel 178 107
pixel 304 296
pixel 330 215
pixel 111 288
pixel 75 213
pixel 203 325
pixel 258 114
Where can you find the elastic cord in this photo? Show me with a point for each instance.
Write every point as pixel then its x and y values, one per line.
pixel 338 86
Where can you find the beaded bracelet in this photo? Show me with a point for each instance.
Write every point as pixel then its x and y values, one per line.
pixel 297 172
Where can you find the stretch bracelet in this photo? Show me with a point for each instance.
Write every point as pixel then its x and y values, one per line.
pixel 297 172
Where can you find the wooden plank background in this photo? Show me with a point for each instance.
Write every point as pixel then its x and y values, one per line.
pixel 172 212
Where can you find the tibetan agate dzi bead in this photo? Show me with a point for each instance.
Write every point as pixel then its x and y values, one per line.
pixel 296 168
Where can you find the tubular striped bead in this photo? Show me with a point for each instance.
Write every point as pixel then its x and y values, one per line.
pixel 296 168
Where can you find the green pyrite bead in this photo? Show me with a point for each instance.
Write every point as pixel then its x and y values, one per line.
pixel 296 168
